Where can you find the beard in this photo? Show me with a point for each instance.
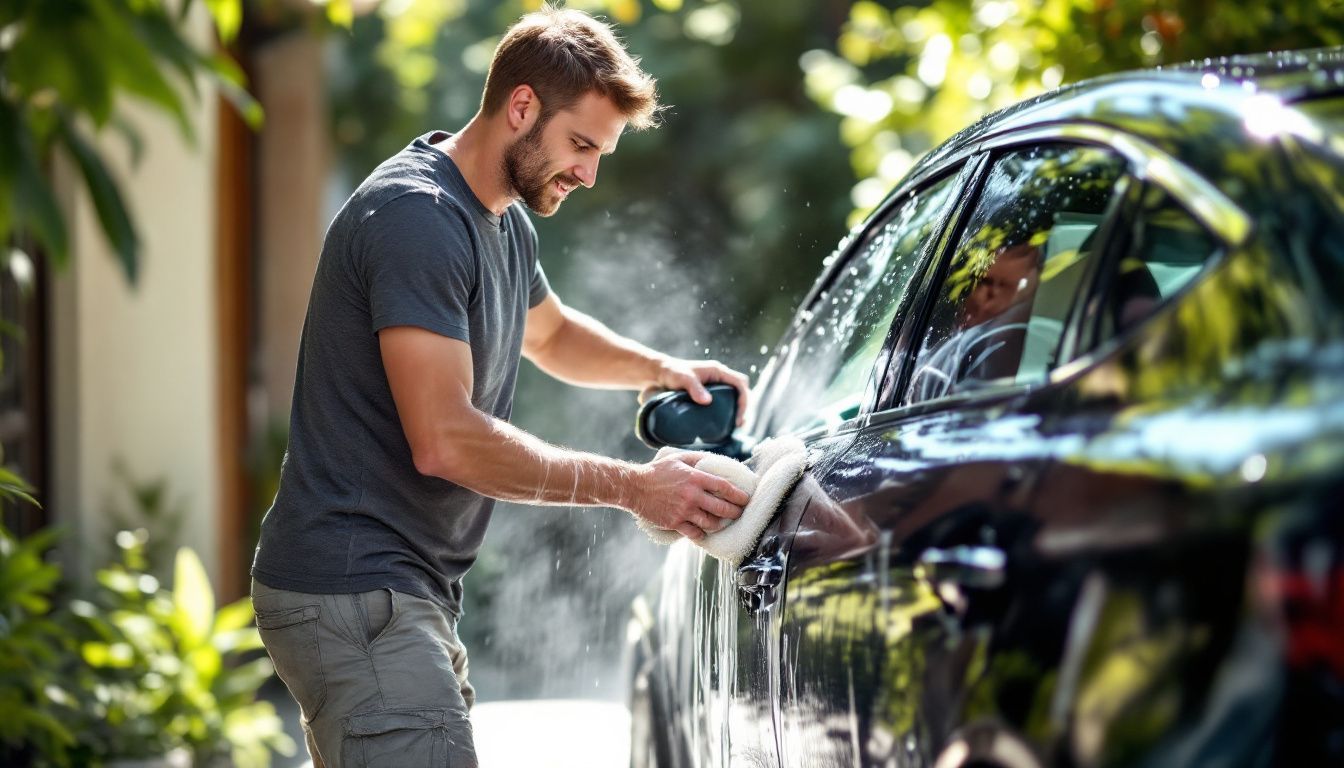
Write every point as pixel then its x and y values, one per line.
pixel 525 164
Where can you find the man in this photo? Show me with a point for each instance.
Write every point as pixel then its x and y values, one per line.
pixel 427 291
pixel 991 328
pixel 1010 281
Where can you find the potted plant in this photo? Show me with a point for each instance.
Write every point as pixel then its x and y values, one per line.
pixel 138 676
pixel 184 674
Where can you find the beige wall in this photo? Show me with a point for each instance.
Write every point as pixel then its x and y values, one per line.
pixel 134 369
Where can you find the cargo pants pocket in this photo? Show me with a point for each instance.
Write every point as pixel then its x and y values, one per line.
pixel 411 738
pixel 290 637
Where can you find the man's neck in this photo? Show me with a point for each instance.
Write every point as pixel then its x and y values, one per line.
pixel 479 156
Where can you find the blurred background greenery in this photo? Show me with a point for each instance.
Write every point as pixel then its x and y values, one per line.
pixel 790 119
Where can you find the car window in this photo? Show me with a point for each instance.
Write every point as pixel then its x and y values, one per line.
pixel 828 360
pixel 1016 270
pixel 1167 249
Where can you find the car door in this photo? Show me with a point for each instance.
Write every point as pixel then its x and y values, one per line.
pixel 823 378
pixel 881 642
pixel 1137 531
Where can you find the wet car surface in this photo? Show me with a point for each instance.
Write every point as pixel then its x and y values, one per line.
pixel 1073 398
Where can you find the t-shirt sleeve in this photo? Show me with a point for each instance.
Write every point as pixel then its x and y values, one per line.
pixel 419 266
pixel 539 287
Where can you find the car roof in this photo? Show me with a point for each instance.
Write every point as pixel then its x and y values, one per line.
pixel 1196 111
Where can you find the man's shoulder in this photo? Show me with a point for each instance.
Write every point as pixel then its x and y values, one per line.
pixel 409 203
pixel 408 182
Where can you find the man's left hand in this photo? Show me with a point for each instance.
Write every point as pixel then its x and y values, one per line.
pixel 693 375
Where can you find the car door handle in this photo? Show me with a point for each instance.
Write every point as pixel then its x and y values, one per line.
pixel 756 583
pixel 760 574
pixel 965 566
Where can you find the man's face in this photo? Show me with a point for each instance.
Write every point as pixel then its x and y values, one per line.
pixel 1011 279
pixel 545 164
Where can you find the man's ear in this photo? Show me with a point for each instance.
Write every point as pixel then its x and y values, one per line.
pixel 523 108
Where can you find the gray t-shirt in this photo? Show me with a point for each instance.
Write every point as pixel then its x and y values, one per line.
pixel 412 246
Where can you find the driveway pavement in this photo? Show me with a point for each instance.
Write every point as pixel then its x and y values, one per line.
pixel 541 733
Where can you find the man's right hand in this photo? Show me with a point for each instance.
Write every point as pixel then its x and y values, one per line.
pixel 671 493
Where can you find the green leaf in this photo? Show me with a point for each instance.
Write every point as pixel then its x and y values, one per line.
pixel 41 541
pixel 135 144
pixel 26 199
pixel 231 81
pixel 62 52
pixel 162 37
pixel 234 616
pixel 118 581
pixel 193 600
pixel 51 725
pixel 341 13
pixel 108 655
pixel 238 641
pixel 14 487
pixel 242 681
pixel 12 330
pixel 131 64
pixel 248 108
pixel 107 201
pixel 206 663
pixel 228 16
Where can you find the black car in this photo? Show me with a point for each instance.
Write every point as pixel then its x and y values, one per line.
pixel 1073 397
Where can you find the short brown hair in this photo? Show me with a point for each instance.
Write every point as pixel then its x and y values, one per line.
pixel 563 54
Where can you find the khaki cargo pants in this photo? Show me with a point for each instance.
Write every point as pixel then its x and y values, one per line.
pixel 381 677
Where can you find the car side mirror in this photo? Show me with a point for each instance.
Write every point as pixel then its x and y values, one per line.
pixel 673 418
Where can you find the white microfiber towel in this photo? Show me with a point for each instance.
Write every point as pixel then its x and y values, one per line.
pixel 779 464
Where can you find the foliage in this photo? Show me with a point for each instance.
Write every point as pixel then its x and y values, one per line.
pixel 66 67
pixel 17 267
pixel 181 665
pixel 744 171
pixel 32 648
pixel 134 672
pixel 152 508
pixel 906 78
pixel 13 486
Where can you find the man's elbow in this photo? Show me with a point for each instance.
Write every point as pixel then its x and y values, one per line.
pixel 436 461
pixel 539 351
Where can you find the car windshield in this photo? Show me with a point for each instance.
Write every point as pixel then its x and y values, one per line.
pixel 825 374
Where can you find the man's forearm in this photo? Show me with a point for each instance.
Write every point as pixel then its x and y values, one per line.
pixel 587 353
pixel 496 459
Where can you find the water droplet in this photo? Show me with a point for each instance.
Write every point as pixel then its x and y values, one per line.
pixel 1253 468
pixel 764 349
